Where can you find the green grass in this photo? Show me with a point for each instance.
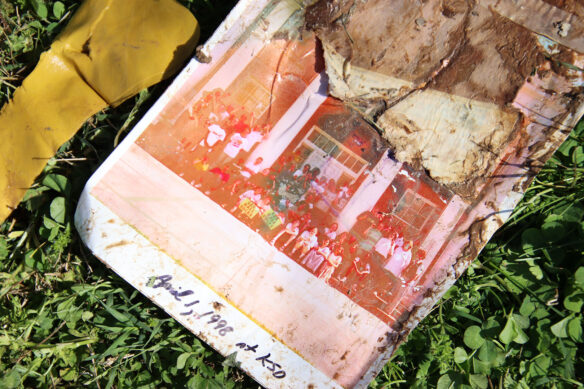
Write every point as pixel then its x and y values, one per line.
pixel 513 320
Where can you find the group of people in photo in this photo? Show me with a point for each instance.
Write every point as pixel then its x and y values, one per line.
pixel 292 204
pixel 223 131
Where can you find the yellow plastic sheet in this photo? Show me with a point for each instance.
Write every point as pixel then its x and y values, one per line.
pixel 110 50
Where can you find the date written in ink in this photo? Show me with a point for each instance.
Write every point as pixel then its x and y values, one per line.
pixel 265 360
pixel 211 318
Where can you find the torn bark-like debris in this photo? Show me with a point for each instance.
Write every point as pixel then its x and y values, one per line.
pixel 438 78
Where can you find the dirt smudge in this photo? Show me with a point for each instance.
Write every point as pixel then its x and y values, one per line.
pixel 217 305
pixel 117 244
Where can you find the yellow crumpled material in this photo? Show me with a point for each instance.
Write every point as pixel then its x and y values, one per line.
pixel 109 51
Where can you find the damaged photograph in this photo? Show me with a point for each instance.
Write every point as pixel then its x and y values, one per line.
pixel 327 193
pixel 329 188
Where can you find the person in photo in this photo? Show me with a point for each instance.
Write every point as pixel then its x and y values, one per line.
pixel 331 231
pixel 307 240
pixel 208 110
pixel 342 197
pixel 402 255
pixel 302 172
pixel 251 195
pixel 317 256
pixel 230 151
pixel 251 169
pixel 331 263
pixel 291 229
pixel 384 246
pixel 358 270
pixel 328 197
pixel 256 135
pixel 215 134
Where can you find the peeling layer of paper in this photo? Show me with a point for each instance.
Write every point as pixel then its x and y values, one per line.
pixel 439 77
pixel 431 125
pixel 563 27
